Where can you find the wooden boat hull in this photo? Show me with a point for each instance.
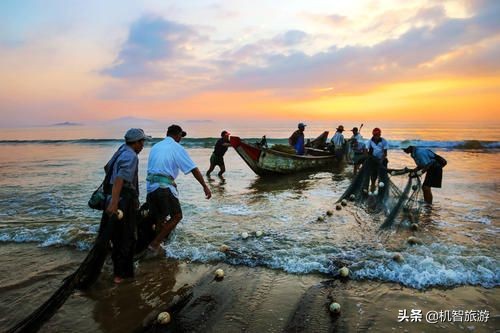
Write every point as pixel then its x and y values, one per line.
pixel 266 161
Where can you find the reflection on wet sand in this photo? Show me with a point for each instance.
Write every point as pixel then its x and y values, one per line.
pixel 217 185
pixel 118 307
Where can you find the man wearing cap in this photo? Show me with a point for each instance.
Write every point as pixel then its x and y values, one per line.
pixel 377 147
pixel 427 163
pixel 217 157
pixel 358 147
pixel 338 142
pixel 123 195
pixel 296 140
pixel 166 159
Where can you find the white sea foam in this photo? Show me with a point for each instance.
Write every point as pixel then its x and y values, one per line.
pixel 235 210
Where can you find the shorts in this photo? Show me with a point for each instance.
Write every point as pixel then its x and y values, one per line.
pixel 162 203
pixel 433 177
pixel 217 160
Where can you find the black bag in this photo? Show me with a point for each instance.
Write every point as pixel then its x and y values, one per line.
pixel 441 161
pixel 98 198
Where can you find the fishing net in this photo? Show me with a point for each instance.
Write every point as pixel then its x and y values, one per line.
pixel 87 273
pixel 373 189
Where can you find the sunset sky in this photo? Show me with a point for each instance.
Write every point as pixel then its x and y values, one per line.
pixel 86 61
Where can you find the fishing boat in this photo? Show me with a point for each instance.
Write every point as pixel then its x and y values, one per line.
pixel 266 161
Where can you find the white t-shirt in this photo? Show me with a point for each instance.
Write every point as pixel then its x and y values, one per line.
pixel 378 148
pixel 166 158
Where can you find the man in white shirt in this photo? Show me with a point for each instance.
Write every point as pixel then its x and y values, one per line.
pixel 377 147
pixel 166 159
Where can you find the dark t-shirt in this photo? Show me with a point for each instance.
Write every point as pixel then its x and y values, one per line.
pixel 220 149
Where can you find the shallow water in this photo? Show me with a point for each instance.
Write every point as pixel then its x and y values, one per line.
pixel 44 188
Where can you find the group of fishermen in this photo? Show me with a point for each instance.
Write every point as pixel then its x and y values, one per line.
pixel 168 157
pixel 376 148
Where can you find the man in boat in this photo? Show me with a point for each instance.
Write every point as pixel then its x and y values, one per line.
pixel 427 162
pixel 358 147
pixel 124 196
pixel 166 159
pixel 297 139
pixel 338 142
pixel 377 148
pixel 217 157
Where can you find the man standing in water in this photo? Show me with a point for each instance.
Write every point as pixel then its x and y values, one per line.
pixel 338 142
pixel 297 139
pixel 429 163
pixel 377 147
pixel 166 158
pixel 358 147
pixel 217 157
pixel 124 196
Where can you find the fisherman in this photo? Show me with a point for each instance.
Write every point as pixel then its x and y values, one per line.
pixel 358 147
pixel 124 196
pixel 377 147
pixel 166 158
pixel 429 163
pixel 297 139
pixel 338 142
pixel 217 157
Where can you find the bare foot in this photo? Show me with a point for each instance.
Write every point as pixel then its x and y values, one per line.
pixel 117 280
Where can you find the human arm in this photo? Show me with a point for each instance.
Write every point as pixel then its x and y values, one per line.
pixel 197 175
pixel 115 196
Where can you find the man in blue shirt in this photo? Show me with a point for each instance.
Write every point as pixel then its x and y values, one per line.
pixel 296 140
pixel 122 192
pixel 426 163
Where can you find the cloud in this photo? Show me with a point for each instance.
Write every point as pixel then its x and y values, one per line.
pixel 290 38
pixel 151 42
pixel 357 68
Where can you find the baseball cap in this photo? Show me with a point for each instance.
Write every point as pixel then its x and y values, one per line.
pixel 176 130
pixel 136 134
pixel 301 125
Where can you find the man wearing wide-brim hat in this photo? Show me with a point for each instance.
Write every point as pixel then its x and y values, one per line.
pixel 338 142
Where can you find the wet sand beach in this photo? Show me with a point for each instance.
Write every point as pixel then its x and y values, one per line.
pixel 279 282
pixel 248 299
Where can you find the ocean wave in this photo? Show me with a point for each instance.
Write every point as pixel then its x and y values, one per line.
pixel 210 142
pixel 423 267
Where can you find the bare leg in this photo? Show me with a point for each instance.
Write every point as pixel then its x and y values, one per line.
pixel 427 194
pixel 165 231
pixel 212 167
pixel 222 170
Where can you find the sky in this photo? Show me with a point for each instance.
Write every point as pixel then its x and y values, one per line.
pixel 88 61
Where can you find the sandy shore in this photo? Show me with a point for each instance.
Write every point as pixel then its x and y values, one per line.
pixel 246 300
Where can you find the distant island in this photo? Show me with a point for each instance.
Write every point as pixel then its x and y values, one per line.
pixel 67 123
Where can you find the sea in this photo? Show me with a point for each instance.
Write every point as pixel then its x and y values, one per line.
pixel 47 175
